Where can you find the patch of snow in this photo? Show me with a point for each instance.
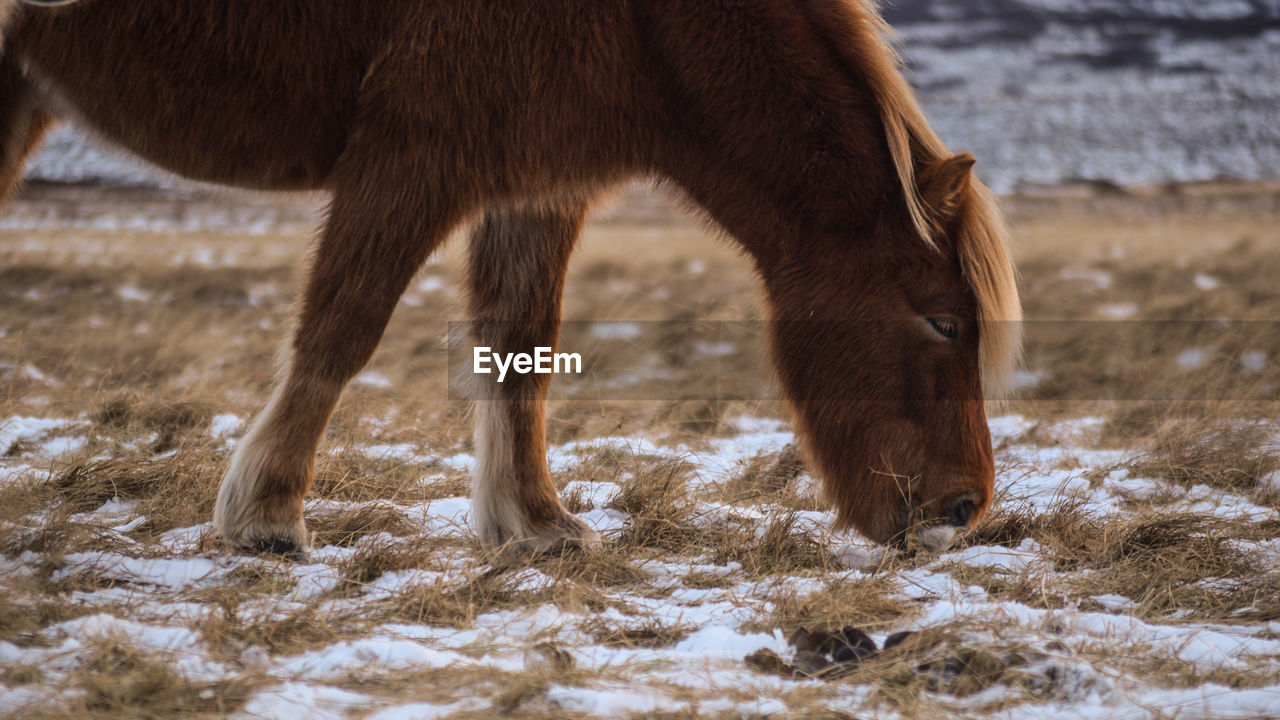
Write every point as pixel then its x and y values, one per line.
pixel 1114 602
pixel 1206 282
pixel 604 520
pixel 430 284
pixel 530 580
pixel 595 494
pixel 398 451
pixel 113 512
pixel 183 646
pixel 133 293
pixel 720 349
pixel 1023 379
pixel 294 700
pixel 1118 311
pixel 314 580
pixel 616 330
pixel 173 573
pixel 612 702
pixel 426 711
pixel 366 657
pixel 372 378
pixel 224 425
pixel 1253 360
pixel 1192 359
pixel 1099 278
pixel 34 430
pixel 758 424
pixel 1010 560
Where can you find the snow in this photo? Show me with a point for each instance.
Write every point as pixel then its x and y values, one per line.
pixel 1206 282
pixel 372 378
pixel 133 293
pixel 609 702
pixel 1099 278
pixel 424 711
pixel 171 573
pixel 21 430
pixel 224 425
pixel 1000 558
pixel 1119 311
pixel 1192 359
pixel 361 657
pixel 1253 360
pixel 294 700
pixel 1114 602
pixel 616 330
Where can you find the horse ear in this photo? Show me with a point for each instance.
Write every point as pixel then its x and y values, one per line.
pixel 944 183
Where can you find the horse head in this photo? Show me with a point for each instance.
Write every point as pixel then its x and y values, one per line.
pixel 886 344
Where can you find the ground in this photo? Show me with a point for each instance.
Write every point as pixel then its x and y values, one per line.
pixel 1130 567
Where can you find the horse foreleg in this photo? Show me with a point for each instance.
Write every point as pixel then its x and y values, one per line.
pixel 382 224
pixel 23 124
pixel 518 260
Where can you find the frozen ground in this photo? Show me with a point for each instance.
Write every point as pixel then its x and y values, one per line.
pixel 676 633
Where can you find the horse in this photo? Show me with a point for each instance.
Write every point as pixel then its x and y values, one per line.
pixel 892 300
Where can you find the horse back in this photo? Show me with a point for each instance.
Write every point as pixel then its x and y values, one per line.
pixel 268 95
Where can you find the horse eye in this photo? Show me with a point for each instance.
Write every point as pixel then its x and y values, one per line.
pixel 946 327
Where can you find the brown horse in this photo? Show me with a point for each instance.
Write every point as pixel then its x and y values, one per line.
pixel 892 300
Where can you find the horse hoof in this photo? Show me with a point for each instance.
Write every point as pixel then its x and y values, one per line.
pixel 282 547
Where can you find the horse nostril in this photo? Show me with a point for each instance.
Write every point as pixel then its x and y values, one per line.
pixel 962 512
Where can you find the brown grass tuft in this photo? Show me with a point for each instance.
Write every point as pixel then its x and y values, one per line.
pixel 118 681
pixel 1223 453
pixel 373 559
pixel 772 478
pixel 781 549
pixel 457 604
pixel 867 603
pixel 347 526
pixel 171 422
pixel 642 634
pixel 656 497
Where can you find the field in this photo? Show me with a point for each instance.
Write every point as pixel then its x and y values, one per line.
pixel 1129 569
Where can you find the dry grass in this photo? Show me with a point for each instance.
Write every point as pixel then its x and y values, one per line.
pixel 866 603
pixel 374 559
pixel 774 478
pixel 1181 564
pixel 781 549
pixel 642 634
pixel 1231 454
pixel 662 515
pixel 347 526
pixel 118 681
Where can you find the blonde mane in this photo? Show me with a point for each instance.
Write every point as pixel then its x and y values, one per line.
pixel 860 36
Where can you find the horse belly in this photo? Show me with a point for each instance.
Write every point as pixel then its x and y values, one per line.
pixel 234 93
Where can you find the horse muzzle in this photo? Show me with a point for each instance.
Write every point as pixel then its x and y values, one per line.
pixel 959 512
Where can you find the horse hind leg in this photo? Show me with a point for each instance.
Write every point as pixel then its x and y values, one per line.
pixel 23 124
pixel 518 261
pixel 387 215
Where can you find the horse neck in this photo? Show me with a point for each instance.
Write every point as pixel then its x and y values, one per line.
pixel 769 134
